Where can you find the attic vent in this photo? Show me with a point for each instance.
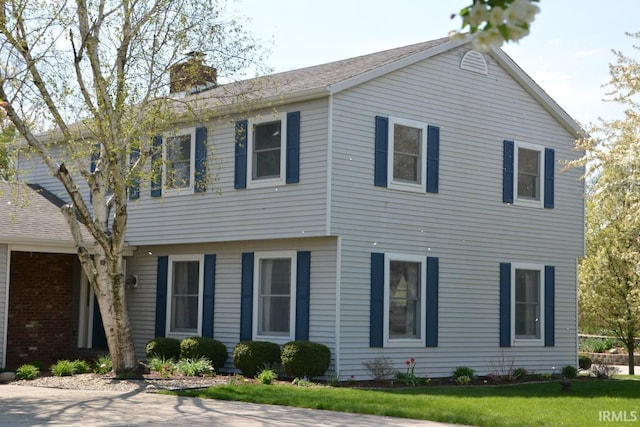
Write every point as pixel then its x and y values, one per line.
pixel 475 62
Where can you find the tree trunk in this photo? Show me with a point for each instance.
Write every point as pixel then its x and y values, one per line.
pixel 631 346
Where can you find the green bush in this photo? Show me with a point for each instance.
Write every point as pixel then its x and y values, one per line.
pixel 103 365
pixel 199 347
pixel 80 367
pixel 305 359
pixel 250 356
pixel 27 372
pixel 519 373
pixel 195 367
pixel 570 371
pixel 167 348
pixel 584 362
pixel 62 368
pixel 267 376
pixel 463 371
pixel 165 367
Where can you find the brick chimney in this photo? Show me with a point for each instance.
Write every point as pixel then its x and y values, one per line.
pixel 191 75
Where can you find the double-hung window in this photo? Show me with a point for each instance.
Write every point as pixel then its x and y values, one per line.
pixel 179 158
pixel 405 302
pixel 407 154
pixel 184 302
pixel 530 172
pixel 527 302
pixel 274 295
pixel 266 163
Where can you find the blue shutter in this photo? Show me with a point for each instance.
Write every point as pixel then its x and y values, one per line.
pixel 303 290
pixel 134 186
pixel 200 181
pixel 246 297
pixel 549 165
pixel 208 294
pixel 381 147
pixel 293 147
pixel 376 321
pixel 549 305
pixel 433 158
pixel 241 155
pixel 507 172
pixel 432 302
pixel 161 295
pixel 156 167
pixel 505 304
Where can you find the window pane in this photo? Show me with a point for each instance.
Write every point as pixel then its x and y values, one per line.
pixel 407 145
pixel 404 299
pixel 529 174
pixel 274 306
pixel 266 150
pixel 184 296
pixel 178 161
pixel 527 310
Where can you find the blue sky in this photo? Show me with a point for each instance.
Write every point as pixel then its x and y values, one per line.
pixel 567 52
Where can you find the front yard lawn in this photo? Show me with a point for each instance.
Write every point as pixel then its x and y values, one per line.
pixel 533 404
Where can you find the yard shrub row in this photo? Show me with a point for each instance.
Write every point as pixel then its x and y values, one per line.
pixel 192 348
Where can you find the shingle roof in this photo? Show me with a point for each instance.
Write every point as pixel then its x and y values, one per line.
pixel 30 214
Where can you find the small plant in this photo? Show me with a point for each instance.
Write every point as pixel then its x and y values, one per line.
pixel 165 367
pixel 463 379
pixel 408 377
pixel 267 376
pixel 584 362
pixel 103 365
pixel 380 368
pixel 463 371
pixel 62 368
pixel 546 376
pixel 519 373
pixel 195 367
pixel 80 367
pixel 27 372
pixel 301 382
pixel 236 379
pixel 305 359
pixel 569 372
pixel 167 348
pixel 333 379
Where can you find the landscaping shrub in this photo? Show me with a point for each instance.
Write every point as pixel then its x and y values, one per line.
pixel 62 368
pixel 267 376
pixel 168 348
pixel 570 371
pixel 463 371
pixel 519 373
pixel 305 359
pixel 195 367
pixel 584 362
pixel 103 365
pixel 27 372
pixel 380 369
pixel 250 356
pixel 164 367
pixel 198 347
pixel 80 367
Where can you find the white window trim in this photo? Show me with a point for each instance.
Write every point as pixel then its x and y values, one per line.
pixel 402 185
pixel 258 256
pixel 188 190
pixel 269 182
pixel 527 341
pixel 172 259
pixel 524 201
pixel 405 342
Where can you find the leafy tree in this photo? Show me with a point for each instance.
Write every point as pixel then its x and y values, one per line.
pixel 495 21
pixel 95 76
pixel 609 275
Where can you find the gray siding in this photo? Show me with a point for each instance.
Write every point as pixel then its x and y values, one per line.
pixel 227 287
pixel 466 224
pixel 4 273
pixel 223 213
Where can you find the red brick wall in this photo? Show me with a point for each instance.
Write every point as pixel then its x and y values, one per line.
pixel 40 298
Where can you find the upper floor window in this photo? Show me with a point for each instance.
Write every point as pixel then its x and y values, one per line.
pixel 528 174
pixel 179 152
pixel 275 295
pixel 530 171
pixel 267 150
pixel 184 302
pixel 407 155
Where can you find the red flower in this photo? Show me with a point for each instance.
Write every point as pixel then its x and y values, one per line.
pixel 413 360
pixel 408 362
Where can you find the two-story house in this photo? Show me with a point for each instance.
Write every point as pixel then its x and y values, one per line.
pixel 406 203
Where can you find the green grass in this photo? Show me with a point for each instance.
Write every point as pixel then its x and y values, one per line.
pixel 534 404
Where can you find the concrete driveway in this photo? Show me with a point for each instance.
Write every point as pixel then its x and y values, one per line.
pixel 38 406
